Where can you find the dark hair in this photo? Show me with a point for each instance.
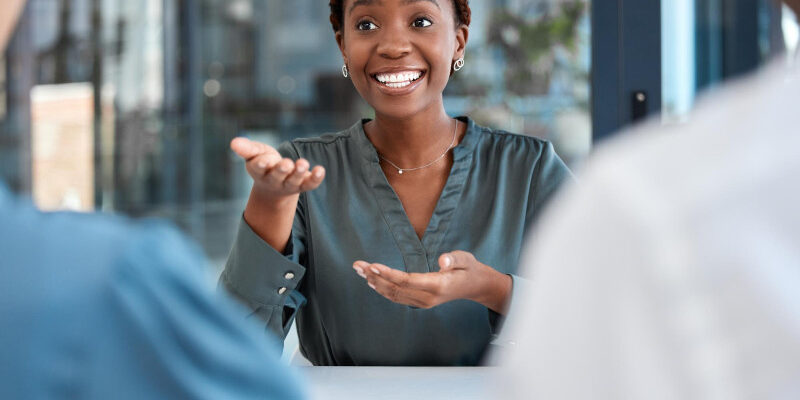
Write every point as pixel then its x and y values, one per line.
pixel 463 13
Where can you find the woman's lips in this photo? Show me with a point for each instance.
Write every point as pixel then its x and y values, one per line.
pixel 398 82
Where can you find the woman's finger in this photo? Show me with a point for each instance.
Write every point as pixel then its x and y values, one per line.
pixel 314 179
pixel 359 266
pixel 262 163
pixel 430 282
pixel 456 260
pixel 402 295
pixel 295 179
pixel 248 149
pixel 277 175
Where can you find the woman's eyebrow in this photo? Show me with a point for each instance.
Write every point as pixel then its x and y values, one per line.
pixel 362 3
pixel 371 2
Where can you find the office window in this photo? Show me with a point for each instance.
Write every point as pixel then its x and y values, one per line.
pixel 706 42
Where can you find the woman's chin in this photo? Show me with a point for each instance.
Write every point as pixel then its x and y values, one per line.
pixel 395 112
pixel 400 109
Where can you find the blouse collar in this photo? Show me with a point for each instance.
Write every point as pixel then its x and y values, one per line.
pixel 368 151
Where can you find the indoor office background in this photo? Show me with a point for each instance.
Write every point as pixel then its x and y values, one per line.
pixel 128 106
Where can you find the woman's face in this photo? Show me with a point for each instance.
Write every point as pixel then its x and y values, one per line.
pixel 400 52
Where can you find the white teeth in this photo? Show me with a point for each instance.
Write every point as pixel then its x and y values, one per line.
pixel 397 85
pixel 403 78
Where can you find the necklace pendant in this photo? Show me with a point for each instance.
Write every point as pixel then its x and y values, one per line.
pixel 400 171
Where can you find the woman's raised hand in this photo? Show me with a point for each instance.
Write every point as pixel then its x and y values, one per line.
pixel 273 175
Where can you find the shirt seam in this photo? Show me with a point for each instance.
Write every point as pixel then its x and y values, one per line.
pixel 331 139
pixel 534 139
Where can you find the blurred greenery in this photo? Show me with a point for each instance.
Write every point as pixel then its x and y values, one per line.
pixel 530 45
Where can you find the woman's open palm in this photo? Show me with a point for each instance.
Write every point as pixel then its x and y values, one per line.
pixel 273 175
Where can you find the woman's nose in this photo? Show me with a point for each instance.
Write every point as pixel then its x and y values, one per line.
pixel 394 43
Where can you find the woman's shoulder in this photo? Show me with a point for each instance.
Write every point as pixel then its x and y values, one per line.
pixel 324 143
pixel 323 139
pixel 502 139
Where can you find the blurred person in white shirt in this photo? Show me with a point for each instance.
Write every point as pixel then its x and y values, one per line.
pixel 672 270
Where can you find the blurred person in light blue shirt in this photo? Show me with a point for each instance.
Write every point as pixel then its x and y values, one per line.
pixel 99 307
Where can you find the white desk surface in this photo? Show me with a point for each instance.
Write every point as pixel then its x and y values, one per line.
pixel 395 383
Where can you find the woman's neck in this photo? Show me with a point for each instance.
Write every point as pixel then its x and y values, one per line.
pixel 411 141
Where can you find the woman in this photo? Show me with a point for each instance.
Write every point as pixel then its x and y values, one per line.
pixel 399 246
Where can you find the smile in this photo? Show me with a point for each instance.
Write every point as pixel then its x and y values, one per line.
pixel 398 79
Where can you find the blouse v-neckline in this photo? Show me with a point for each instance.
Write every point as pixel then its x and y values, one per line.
pixel 420 255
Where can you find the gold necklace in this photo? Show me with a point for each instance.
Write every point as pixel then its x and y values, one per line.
pixel 401 170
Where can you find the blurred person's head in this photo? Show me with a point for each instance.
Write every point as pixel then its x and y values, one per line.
pixel 9 11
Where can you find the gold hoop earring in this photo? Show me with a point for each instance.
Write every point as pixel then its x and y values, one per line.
pixel 458 64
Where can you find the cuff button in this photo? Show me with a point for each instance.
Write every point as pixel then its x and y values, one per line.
pixel 282 290
pixel 289 275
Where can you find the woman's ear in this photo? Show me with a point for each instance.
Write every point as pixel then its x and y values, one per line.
pixel 340 43
pixel 462 34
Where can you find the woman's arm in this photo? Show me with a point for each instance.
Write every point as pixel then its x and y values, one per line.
pixel 270 218
pixel 259 272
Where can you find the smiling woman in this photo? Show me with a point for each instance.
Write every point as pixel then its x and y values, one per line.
pixel 400 245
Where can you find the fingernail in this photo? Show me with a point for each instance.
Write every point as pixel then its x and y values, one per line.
pixel 360 272
pixel 284 168
pixel 318 173
pixel 375 270
pixel 262 164
pixel 371 285
pixel 446 262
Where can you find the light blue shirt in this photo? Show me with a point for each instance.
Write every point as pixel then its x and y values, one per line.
pixel 97 307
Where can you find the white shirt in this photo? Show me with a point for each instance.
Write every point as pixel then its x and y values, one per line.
pixel 672 271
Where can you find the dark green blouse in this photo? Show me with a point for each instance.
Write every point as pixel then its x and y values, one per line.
pixel 497 186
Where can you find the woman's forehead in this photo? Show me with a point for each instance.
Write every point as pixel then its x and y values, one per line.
pixel 350 5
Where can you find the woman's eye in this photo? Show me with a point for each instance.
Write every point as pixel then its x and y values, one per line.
pixel 421 23
pixel 366 26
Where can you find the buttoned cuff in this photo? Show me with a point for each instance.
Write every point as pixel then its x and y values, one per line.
pixel 258 272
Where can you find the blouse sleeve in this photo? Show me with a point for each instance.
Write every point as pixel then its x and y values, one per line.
pixel 262 278
pixel 549 174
